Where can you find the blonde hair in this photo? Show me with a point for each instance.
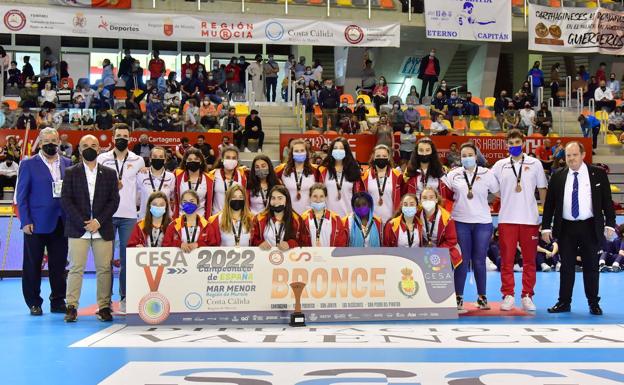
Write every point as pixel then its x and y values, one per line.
pixel 226 213
pixel 437 194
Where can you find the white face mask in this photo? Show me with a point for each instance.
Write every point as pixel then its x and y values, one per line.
pixel 230 164
pixel 428 205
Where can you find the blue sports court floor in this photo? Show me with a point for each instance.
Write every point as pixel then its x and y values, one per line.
pixel 574 348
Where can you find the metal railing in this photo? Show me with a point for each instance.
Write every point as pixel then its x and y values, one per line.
pixel 568 102
pixel 592 106
pixel 579 101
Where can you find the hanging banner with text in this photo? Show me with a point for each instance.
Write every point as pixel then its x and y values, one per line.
pixel 582 30
pixel 492 147
pixel 89 22
pixel 118 4
pixel 247 285
pixel 478 20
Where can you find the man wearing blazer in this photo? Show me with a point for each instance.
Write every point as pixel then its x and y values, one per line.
pixel 578 212
pixel 38 194
pixel 90 196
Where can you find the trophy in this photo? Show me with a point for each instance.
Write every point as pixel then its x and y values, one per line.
pixel 297 318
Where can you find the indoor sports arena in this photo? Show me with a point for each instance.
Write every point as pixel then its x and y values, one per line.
pixel 311 192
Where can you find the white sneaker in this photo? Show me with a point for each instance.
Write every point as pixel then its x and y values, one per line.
pixel 508 303
pixel 527 304
pixel 545 267
pixel 122 307
pixel 517 268
pixel 558 267
pixel 490 266
pixel 247 150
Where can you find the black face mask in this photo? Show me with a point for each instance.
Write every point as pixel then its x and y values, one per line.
pixel 50 149
pixel 9 163
pixel 237 204
pixel 121 144
pixel 424 158
pixel 278 208
pixel 381 162
pixel 89 154
pixel 193 166
pixel 157 164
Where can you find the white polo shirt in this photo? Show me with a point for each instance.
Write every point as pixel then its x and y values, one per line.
pixel 475 210
pixel 128 192
pixel 146 186
pixel 519 207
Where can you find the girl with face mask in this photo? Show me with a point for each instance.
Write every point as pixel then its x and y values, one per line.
pixel 150 232
pixel 155 179
pixel 189 230
pixel 279 225
pixel 342 176
pixel 192 176
pixel 425 169
pixel 232 226
pixel 404 229
pixel 298 174
pixel 380 93
pixel 383 182
pixel 363 228
pixel 226 174
pixel 261 179
pixel 471 186
pixel 325 227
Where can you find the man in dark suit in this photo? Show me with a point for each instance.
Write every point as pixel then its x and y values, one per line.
pixel 579 213
pixel 39 206
pixel 90 196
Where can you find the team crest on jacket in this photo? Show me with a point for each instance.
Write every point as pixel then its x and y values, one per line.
pixel 408 287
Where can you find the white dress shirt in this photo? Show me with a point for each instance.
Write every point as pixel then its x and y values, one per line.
pixel 91 179
pixel 586 209
pixel 128 192
pixel 54 166
pixel 8 171
pixel 599 94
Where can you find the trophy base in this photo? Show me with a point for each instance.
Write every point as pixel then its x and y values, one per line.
pixel 297 320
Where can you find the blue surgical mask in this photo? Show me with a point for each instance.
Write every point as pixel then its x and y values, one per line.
pixel 318 206
pixel 299 157
pixel 469 162
pixel 408 212
pixel 515 150
pixel 157 211
pixel 338 154
pixel 189 207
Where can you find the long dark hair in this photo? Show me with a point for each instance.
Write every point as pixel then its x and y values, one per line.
pixel 435 166
pixel 196 152
pixel 166 219
pixel 290 163
pixel 253 183
pixel 289 232
pixel 351 168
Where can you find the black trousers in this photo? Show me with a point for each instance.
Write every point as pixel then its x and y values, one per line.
pixel 578 238
pixel 427 80
pixel 257 135
pixel 7 181
pixel 56 244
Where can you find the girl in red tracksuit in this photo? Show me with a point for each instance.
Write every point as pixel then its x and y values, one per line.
pixel 232 226
pixel 425 169
pixel 383 183
pixel 150 232
pixel 192 175
pixel 189 230
pixel 325 227
pixel 278 225
pixel 404 229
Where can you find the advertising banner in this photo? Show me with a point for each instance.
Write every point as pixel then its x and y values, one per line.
pixel 478 20
pixel 492 147
pixel 118 4
pixel 248 285
pixel 86 22
pixel 582 30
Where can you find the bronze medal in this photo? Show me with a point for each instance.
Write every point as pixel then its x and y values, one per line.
pixel 318 242
pixel 298 195
pixel 470 194
pixel 429 244
pixel 380 202
pixel 518 188
pixel 119 184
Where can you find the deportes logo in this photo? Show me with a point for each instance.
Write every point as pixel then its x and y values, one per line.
pixel 154 308
pixel 274 31
pixel 354 34
pixel 193 301
pixel 407 286
pixel 436 262
pixel 15 20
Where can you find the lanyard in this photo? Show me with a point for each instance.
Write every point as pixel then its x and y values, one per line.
pixel 237 235
pixel 190 239
pixel 429 230
pixel 339 184
pixel 278 233
pixel 381 189
pixel 264 195
pixel 474 177
pixel 365 230
pixel 154 241
pixel 196 184
pixel 227 185
pixel 318 227
pixel 518 174
pixel 152 181
pixel 298 182
pixel 410 234
pixel 426 178
pixel 120 173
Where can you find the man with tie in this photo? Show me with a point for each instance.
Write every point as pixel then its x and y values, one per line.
pixel 579 213
pixel 42 217
pixel 90 196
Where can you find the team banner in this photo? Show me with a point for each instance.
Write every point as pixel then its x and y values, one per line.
pixel 478 20
pixel 582 30
pixel 118 4
pixel 248 285
pixel 492 147
pixel 87 22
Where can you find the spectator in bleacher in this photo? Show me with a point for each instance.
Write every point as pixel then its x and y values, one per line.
pixel 197 65
pixel 317 70
pixel 65 147
pixel 601 72
pixel 156 66
pixel 604 98
pixel 125 66
pixel 170 95
pixel 383 131
pixel 511 117
pixel 344 111
pixel 242 63
pixel 231 123
pixel 12 149
pixel 537 80
pixel 108 76
pixel 544 153
pixel 614 85
pixel 48 73
pixel 328 100
pixel 308 101
pixel 135 115
pixel 543 119
pixel 360 110
pixel 187 65
pixel 161 123
pixel 271 70
pixel 444 88
pixel 314 87
pixel 48 96
pixel 438 127
pixel 555 79
pixel 412 97
pixel 368 78
pixel 397 118
pixel 103 97
pixel 27 69
pixel 439 106
pixel 189 87
pixel 349 125
pixel 172 84
pixel 26 120
pixel 87 121
pixel 453 157
pixel 28 95
pixel 154 107
pixel 428 72
pixel 500 106
pixel 525 94
pixel 407 145
pixel 455 106
pixel 191 116
pixel 592 86
pixel 253 130
pixel 590 126
pixel 14 75
pixel 212 89
pixel 471 109
pixel 104 120
pixel 135 80
pixel 380 93
pixel 143 148
pixel 300 67
pixel 527 119
pixel 218 75
pixel 616 119
pixel 411 116
pixel 10 117
pixel 256 73
pixel 583 73
pixel 8 173
pixel 232 76
pixel 308 75
pixel 578 83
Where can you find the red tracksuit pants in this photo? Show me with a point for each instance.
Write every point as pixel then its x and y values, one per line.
pixel 509 234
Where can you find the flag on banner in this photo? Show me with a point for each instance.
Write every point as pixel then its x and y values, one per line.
pixel 119 4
